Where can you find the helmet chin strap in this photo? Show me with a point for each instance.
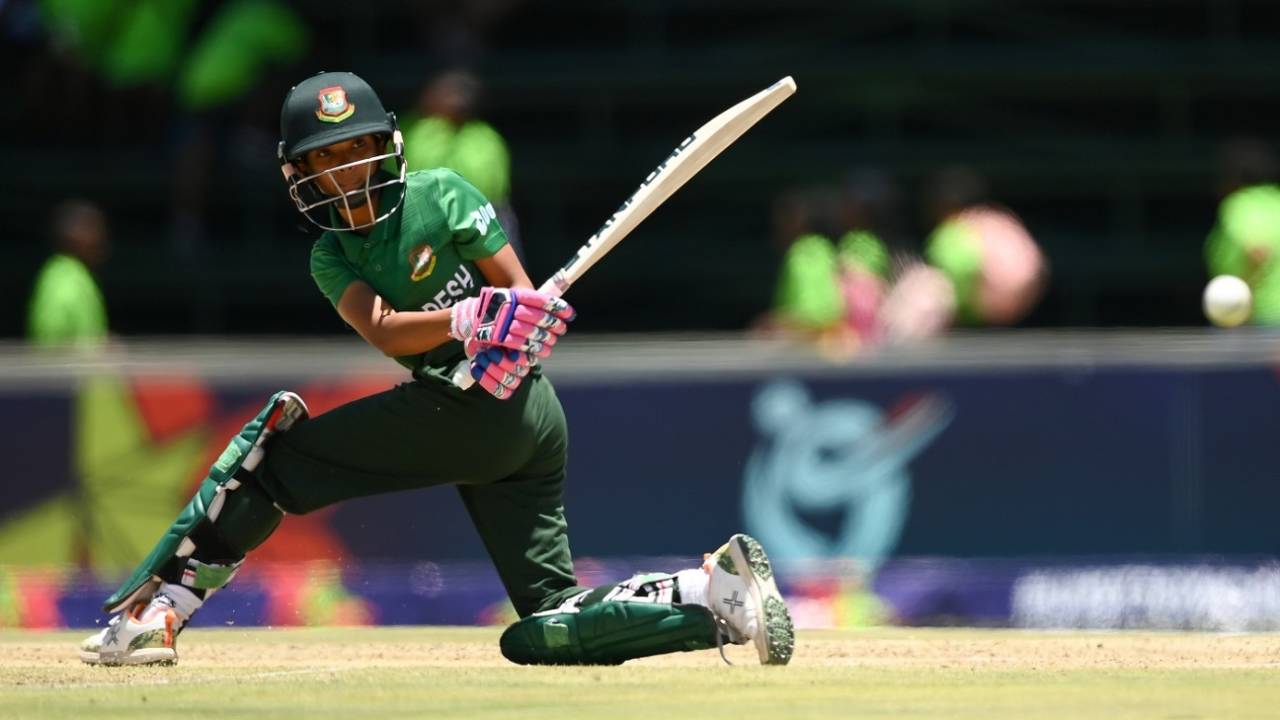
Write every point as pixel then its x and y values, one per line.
pixel 355 199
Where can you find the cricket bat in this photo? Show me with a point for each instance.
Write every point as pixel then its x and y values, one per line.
pixel 684 162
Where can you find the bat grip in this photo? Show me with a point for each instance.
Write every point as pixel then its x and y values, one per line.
pixel 556 285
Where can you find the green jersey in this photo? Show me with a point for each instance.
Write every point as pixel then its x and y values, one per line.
pixel 421 258
pixel 810 290
pixel 66 306
pixel 475 150
pixel 1246 243
pixel 955 248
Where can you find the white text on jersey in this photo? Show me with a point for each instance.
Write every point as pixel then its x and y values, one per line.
pixel 453 291
pixel 483 217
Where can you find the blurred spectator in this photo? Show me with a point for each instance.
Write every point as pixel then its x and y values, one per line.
pixel 227 91
pixel 1245 241
pixel 229 111
pixel 868 227
pixel 230 55
pixel 995 268
pixel 807 297
pixel 130 42
pixel 831 291
pixel 447 133
pixel 919 304
pixel 137 42
pixel 66 305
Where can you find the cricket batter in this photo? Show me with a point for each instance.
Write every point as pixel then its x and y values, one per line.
pixel 418 265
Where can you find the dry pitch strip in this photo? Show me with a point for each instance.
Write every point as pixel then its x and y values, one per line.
pixel 457 672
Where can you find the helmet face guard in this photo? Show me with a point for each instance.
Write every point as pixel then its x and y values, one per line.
pixel 329 108
pixel 307 195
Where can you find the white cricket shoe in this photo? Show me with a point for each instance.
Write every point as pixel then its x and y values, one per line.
pixel 746 601
pixel 142 635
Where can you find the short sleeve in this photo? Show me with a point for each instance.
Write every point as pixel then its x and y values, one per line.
pixel 471 218
pixel 330 269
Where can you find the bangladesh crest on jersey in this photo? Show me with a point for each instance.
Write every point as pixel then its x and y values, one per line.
pixel 333 105
pixel 421 262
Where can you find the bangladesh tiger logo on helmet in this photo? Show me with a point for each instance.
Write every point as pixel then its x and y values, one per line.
pixel 334 106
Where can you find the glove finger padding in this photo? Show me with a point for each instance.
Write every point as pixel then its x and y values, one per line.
pixel 524 333
pixel 547 303
pixel 500 371
pixel 540 318
pixel 495 388
pixel 512 362
pixel 504 366
pixel 536 349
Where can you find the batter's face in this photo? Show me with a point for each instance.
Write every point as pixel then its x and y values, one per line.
pixel 341 153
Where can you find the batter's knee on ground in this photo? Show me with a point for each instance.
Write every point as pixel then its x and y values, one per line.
pixel 608 633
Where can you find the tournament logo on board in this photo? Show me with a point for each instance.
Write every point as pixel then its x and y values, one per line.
pixel 830 479
pixel 421 262
pixel 333 105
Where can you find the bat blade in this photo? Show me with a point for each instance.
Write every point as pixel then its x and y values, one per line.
pixel 689 157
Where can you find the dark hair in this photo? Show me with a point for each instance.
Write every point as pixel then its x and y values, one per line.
pixel 1246 161
pixel 954 188
pixel 67 216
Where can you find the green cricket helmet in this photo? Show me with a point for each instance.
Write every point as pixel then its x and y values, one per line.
pixel 325 109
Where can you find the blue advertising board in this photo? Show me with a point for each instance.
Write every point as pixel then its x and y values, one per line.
pixel 984 494
pixel 1052 463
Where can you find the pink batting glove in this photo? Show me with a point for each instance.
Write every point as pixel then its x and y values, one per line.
pixel 517 319
pixel 500 371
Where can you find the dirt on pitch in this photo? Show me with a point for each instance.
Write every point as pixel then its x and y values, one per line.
pixel 37 657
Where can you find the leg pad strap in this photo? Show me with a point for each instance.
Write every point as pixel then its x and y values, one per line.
pixel 208 576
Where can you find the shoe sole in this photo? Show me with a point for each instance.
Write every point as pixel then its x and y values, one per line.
pixel 775 639
pixel 143 656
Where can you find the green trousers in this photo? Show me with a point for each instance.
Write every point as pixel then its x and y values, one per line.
pixel 506 457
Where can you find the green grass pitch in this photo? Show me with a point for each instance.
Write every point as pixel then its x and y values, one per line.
pixel 458 673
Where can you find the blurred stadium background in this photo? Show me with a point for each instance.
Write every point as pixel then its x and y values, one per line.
pixel 1107 463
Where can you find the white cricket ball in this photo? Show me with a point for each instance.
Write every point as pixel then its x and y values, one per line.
pixel 1227 301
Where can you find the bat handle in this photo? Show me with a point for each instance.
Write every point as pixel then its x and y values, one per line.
pixel 556 285
pixel 462 374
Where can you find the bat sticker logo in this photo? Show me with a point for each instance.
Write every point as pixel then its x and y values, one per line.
pixel 648 180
